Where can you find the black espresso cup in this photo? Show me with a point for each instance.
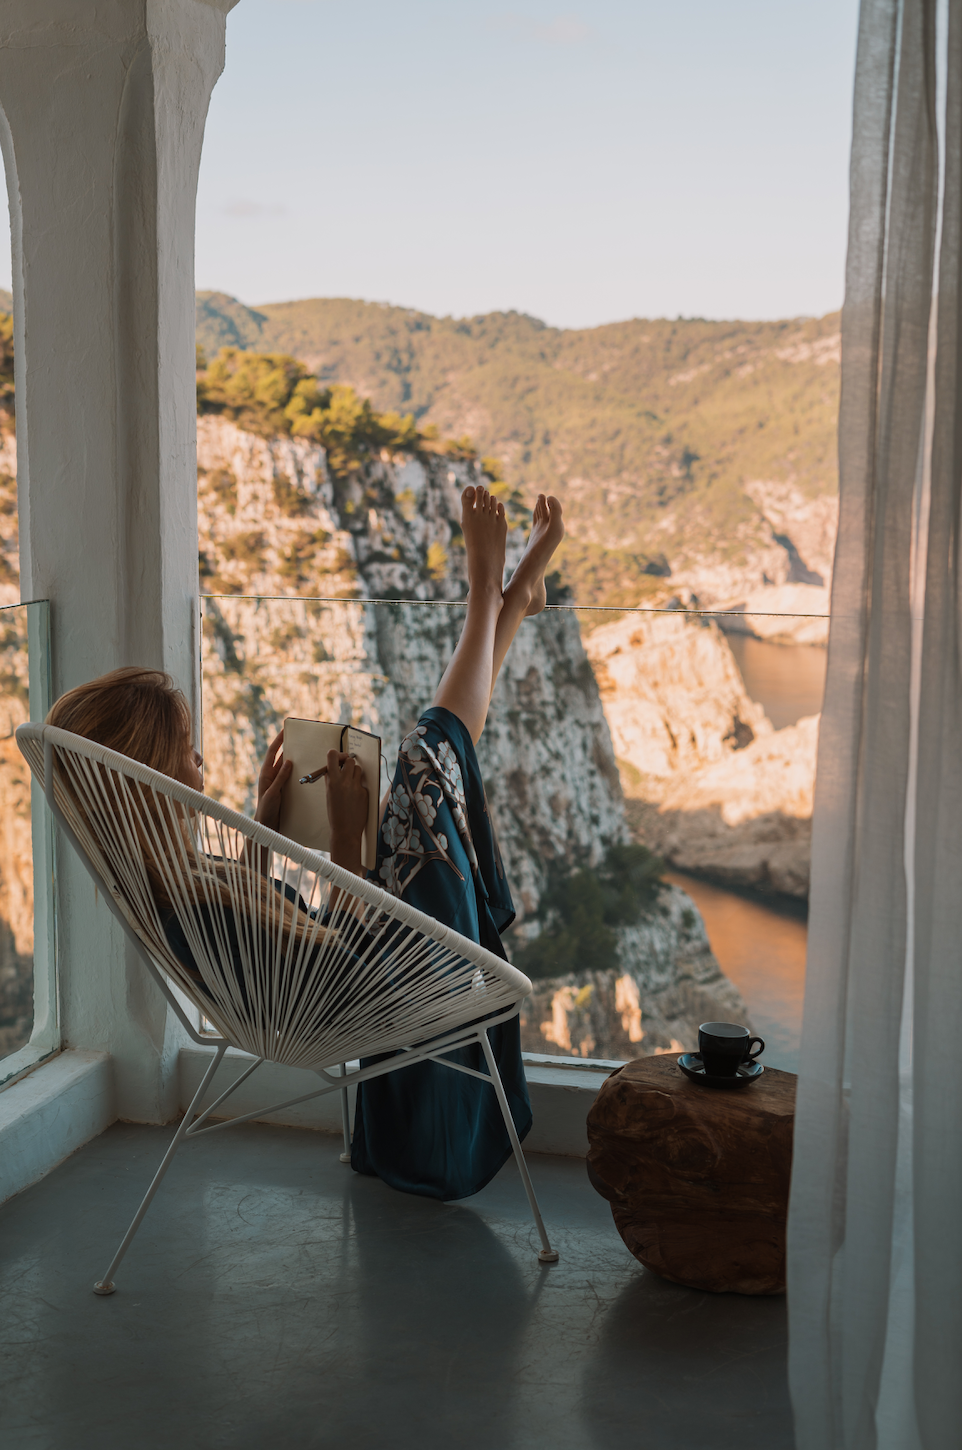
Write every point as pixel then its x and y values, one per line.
pixel 724 1046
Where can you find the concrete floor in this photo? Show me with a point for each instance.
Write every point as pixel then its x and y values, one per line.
pixel 273 1297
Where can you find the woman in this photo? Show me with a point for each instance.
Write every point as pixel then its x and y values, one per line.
pixel 425 1129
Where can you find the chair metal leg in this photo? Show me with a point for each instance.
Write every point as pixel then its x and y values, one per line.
pixel 345 1119
pixel 547 1254
pixel 106 1284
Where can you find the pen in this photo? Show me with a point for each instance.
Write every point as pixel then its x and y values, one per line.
pixel 314 775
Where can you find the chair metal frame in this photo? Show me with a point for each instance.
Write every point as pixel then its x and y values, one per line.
pixel 64 763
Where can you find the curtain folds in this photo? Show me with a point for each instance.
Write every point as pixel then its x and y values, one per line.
pixel 875 1225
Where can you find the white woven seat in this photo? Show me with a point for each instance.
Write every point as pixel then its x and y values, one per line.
pixel 291 958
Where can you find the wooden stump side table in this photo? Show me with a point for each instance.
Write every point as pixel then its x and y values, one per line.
pixel 697 1177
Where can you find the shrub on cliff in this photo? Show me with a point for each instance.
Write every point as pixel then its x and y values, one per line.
pixel 582 910
pixel 271 394
pixel 251 388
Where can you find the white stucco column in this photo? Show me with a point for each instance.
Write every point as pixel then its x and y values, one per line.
pixel 103 107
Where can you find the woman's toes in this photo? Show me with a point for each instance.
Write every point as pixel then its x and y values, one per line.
pixel 467 497
pixel 556 527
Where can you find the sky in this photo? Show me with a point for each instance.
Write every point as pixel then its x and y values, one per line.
pixel 624 158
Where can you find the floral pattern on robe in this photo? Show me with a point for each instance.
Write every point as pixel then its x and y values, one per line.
pixel 424 778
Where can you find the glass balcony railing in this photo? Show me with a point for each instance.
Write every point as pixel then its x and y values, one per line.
pixel 650 776
pixel 28 997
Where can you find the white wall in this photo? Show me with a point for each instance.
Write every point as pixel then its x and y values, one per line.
pixel 102 110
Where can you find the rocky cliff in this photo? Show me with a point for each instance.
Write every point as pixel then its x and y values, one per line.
pixel 668 983
pixel 771 577
pixel 16 863
pixel 777 586
pixel 273 517
pixel 709 784
pixel 276 518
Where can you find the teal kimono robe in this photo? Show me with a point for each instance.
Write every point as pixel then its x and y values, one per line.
pixel 428 1129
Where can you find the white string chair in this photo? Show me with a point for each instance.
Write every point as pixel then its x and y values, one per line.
pixel 296 961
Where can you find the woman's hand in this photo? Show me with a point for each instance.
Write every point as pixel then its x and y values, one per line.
pixel 346 809
pixel 275 773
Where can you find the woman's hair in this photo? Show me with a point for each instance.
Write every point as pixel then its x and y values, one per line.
pixel 135 711
pixel 139 713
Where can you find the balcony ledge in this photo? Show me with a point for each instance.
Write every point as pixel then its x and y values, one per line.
pixel 49 1114
pixel 69 1099
pixel 562 1090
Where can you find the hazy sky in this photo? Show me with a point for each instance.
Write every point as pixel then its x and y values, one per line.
pixel 625 158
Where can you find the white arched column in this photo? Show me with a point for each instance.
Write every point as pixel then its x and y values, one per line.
pixel 103 109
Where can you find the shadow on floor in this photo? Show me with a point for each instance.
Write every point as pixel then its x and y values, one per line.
pixel 274 1297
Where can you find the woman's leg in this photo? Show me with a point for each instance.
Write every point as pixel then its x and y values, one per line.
pixel 525 595
pixel 466 684
pixel 493 619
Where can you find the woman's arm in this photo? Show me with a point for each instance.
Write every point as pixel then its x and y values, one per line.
pixel 275 773
pixel 346 804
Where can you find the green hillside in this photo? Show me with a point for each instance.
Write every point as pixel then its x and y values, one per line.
pixel 647 430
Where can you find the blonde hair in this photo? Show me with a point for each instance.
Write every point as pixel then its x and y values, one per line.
pixel 137 712
pixel 140 713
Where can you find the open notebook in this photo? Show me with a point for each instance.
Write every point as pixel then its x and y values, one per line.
pixel 304 807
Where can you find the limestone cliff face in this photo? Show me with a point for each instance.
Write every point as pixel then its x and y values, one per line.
pixel 16 864
pixel 672 693
pixel 274 519
pixel 710 785
pixel 9 533
pixel 668 983
pixel 744 821
pixel 546 753
pixel 778 589
pixel 805 529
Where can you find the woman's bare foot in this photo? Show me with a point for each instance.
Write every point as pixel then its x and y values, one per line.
pixel 547 531
pixel 466 684
pixel 485 530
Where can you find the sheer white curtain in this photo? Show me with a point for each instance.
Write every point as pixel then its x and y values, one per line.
pixel 875 1227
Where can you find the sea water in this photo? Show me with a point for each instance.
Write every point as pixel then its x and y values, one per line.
pixel 761 942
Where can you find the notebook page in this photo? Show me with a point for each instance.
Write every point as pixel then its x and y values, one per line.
pixel 304 807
